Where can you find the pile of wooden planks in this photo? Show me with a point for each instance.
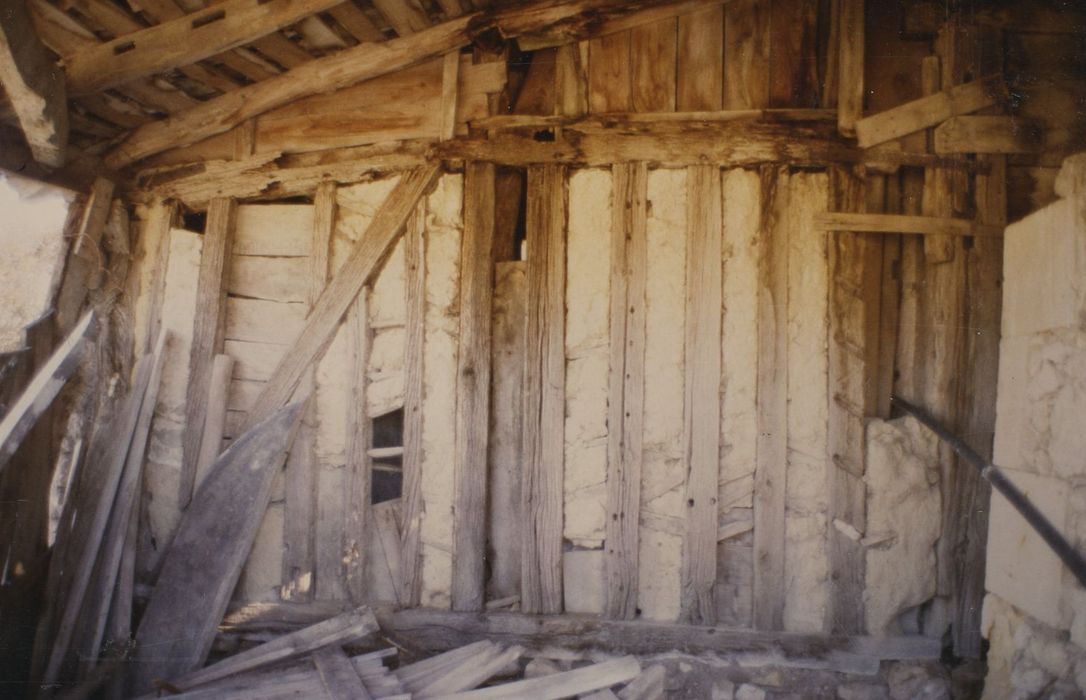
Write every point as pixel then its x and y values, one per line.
pixel 314 662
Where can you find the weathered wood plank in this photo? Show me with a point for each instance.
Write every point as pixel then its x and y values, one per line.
pixel 346 628
pixel 586 26
pixel 769 475
pixel 405 16
pixel 193 589
pixel 473 389
pixel 701 430
pixel 207 334
pixel 989 134
pixel 371 249
pixel 793 74
pixel 34 86
pixel 700 70
pixel 560 685
pixel 181 41
pixel 351 565
pixel 904 223
pixel 450 72
pixel 625 410
pixel 386 535
pixel 47 383
pixel 544 392
pixel 609 73
pixel 85 262
pixel 746 54
pixel 222 369
pixel 571 79
pixel 268 278
pixel 928 111
pixel 653 60
pixel 506 400
pixel 414 387
pixel 850 66
pixel 94 507
pixel 340 680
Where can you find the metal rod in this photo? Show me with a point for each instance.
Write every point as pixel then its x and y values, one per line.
pixel 1037 520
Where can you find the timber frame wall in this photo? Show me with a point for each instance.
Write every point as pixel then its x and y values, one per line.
pixel 721 142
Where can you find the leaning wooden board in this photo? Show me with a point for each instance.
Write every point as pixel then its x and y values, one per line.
pixel 205 559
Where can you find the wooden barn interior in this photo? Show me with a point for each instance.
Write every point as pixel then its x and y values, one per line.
pixel 543 349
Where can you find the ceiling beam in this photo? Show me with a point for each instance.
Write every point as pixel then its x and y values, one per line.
pixel 34 85
pixel 182 41
pixel 356 64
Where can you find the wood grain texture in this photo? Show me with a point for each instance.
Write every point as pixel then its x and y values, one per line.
pixel 989 134
pixel 473 389
pixel 506 427
pixel 35 88
pixel 156 231
pixel 544 392
pixel 414 389
pixel 770 470
pixel 626 388
pixel 340 680
pixel 793 59
pixel 746 54
pixel 207 334
pixel 609 73
pixel 222 369
pixel 351 565
pixel 850 65
pixel 450 71
pixel 855 271
pixel 943 227
pixel 653 60
pixel 571 78
pixel 700 70
pixel 701 427
pixel 371 249
pixel 193 589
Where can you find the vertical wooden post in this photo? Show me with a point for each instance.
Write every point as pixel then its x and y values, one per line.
pixel 207 333
pixel 157 231
pixel 850 87
pixel 300 549
pixel 700 75
pixel 701 433
pixel 772 460
pixel 855 269
pixel 746 54
pixel 357 510
pixel 625 404
pixel 544 392
pixel 450 76
pixel 411 516
pixel 473 388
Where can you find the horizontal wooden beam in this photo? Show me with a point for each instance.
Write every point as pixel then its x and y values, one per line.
pixel 178 42
pixel 928 111
pixel 34 85
pixel 989 134
pixel 899 223
pixel 587 28
pixel 653 120
pixel 354 65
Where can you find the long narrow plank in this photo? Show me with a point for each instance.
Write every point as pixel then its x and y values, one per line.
pixel 81 271
pixel 700 71
pixel 349 627
pixel 653 57
pixel 405 16
pixel 386 525
pixel 625 410
pixel 506 401
pixel 370 250
pixel 340 680
pixel 93 516
pixel 770 470
pixel 193 588
pixel 156 232
pixel 544 392
pixel 414 324
pixel 609 73
pixel 450 71
pixel 207 333
pixel 927 111
pixel 177 42
pixel 855 268
pixel 793 75
pixel 299 566
pixel 850 66
pixel 473 389
pixel 35 89
pixel 746 54
pixel 588 27
pixel 351 564
pixel 989 134
pixel 560 685
pixel 47 383
pixel 94 612
pixel 941 226
pixel 701 433
pixel 571 79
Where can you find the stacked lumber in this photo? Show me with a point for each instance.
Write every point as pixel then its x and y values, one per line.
pixel 316 662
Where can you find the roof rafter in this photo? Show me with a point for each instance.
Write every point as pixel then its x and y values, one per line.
pixel 356 64
pixel 183 40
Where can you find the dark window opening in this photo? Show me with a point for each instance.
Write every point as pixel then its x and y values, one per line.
pixel 386 456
